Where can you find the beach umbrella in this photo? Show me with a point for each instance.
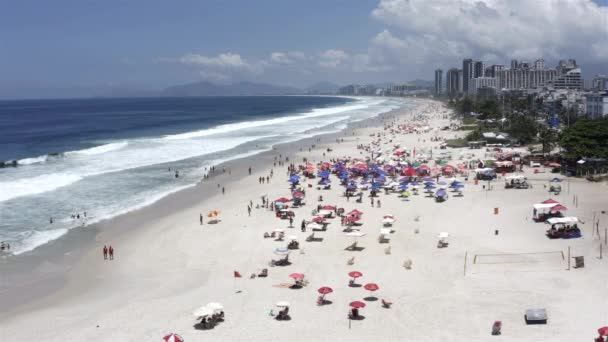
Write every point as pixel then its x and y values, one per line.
pixel 292 238
pixel 282 200
pixel 351 187
pixel 203 311
pixel 296 276
pixel 355 234
pixel 213 213
pixel 354 212
pixel 215 306
pixel 428 179
pixel 558 207
pixel 173 338
pixel 329 207
pixel 371 287
pixel 298 194
pixel 279 230
pixel 355 274
pixel 556 180
pixel 603 331
pixel 325 181
pixel 282 251
pixel 294 179
pixel 282 304
pixel 549 201
pixel 357 304
pixel 388 220
pixel 429 187
pixel 442 183
pixel 440 193
pixel 318 219
pixel 314 225
pixel 325 290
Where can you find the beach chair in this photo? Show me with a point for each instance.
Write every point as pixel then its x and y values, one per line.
pixel 386 304
pixel 310 237
pixel 352 247
pixel 350 261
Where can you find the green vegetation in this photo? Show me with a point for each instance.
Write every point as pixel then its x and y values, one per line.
pixel 456 143
pixel 586 138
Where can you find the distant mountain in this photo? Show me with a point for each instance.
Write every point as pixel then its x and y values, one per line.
pixel 205 88
pixel 323 88
pixel 422 83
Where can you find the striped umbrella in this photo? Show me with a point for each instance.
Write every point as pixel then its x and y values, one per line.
pixel 173 338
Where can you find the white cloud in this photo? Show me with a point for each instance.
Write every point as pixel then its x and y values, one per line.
pixel 332 58
pixel 213 76
pixel 500 29
pixel 227 60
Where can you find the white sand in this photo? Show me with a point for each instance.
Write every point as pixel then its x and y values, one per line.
pixel 173 266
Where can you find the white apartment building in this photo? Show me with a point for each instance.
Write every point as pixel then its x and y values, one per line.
pixel 597 106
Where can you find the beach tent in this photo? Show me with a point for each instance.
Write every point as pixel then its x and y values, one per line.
pixel 563 220
pixel 203 311
pixel 544 206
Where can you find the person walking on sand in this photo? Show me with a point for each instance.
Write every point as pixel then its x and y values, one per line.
pixel 105 252
pixel 111 252
pixel 201 218
pixel 249 210
pixel 223 190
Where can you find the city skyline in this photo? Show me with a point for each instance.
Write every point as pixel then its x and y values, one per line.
pixel 99 45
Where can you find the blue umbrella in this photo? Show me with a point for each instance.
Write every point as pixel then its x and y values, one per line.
pixel 323 174
pixel 458 186
pixel 375 187
pixel 427 179
pixel 429 183
pixel 414 183
pixel 442 183
pixel 403 187
pixel 351 187
pixel 325 181
pixel 294 179
pixel 430 187
pixel 556 180
pixel 441 193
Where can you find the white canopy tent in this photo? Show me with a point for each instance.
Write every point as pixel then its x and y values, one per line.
pixel 563 220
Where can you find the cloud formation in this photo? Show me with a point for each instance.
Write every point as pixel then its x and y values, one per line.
pixel 421 35
pixel 498 29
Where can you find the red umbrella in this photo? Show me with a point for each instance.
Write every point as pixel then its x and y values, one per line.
pixel 371 287
pixel 357 304
pixel 351 219
pixel 328 207
pixel 325 290
pixel 318 219
pixel 283 200
pixel 355 274
pixel 173 338
pixel 603 331
pixel 298 194
pixel 550 200
pixel 554 164
pixel 296 276
pixel 410 172
pixel 558 207
pixel 355 212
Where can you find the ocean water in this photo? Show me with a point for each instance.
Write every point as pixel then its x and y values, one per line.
pixel 110 156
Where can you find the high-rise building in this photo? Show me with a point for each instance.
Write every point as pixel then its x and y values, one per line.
pixel 452 83
pixel 514 64
pixel 467 74
pixel 570 80
pixel 460 81
pixel 600 83
pixel 483 82
pixel 566 65
pixel 478 69
pixel 539 64
pixel 438 81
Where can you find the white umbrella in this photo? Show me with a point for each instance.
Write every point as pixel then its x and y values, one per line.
pixel 282 251
pixel 293 238
pixel 385 231
pixel 443 235
pixel 313 225
pixel 282 304
pixel 215 306
pixel 355 234
pixel 202 311
pixel 388 220
pixel 324 212
pixel 279 230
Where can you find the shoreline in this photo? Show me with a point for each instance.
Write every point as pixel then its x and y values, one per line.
pixel 51 263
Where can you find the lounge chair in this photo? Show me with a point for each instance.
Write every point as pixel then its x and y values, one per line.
pixel 386 304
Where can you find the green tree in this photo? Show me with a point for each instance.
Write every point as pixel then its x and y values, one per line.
pixel 547 138
pixel 523 128
pixel 586 138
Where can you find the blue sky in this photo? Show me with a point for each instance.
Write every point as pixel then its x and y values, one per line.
pixel 151 44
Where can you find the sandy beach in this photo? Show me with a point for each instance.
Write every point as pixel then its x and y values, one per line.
pixel 167 265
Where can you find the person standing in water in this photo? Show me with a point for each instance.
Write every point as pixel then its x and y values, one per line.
pixel 105 252
pixel 111 252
